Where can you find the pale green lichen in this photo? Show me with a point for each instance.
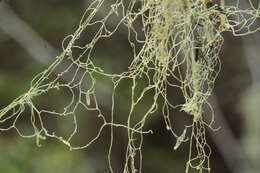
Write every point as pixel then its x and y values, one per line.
pixel 180 49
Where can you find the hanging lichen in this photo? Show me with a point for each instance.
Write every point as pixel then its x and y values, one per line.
pixel 180 49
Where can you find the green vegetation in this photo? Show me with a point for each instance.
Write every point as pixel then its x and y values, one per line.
pixel 177 48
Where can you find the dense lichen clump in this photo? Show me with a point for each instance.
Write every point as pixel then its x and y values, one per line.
pixel 180 43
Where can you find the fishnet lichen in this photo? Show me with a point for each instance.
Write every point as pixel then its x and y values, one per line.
pixel 180 44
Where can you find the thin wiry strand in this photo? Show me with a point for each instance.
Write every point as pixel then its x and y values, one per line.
pixel 180 44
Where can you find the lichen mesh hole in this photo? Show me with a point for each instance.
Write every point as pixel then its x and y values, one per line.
pixel 180 44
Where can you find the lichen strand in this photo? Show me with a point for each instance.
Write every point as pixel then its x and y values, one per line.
pixel 180 50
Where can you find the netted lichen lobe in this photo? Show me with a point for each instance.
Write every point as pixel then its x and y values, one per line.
pixel 180 45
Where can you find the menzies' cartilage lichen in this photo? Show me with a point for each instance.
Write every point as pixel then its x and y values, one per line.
pixel 180 44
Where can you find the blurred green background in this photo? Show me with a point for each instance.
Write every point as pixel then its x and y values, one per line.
pixel 235 147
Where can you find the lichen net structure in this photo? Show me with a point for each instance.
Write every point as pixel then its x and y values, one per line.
pixel 180 44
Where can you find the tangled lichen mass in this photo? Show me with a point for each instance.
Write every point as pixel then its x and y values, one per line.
pixel 180 44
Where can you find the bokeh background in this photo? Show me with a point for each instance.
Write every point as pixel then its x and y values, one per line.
pixel 31 33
